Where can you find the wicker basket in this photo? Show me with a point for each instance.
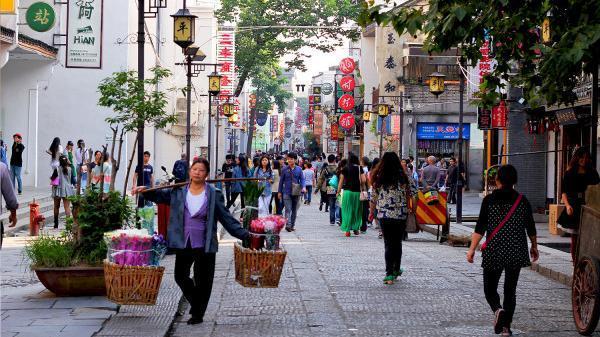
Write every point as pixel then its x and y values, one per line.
pixel 258 269
pixel 132 284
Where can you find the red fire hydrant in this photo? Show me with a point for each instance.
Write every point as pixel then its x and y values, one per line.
pixel 35 218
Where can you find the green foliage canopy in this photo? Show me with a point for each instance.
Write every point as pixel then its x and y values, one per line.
pixel 256 46
pixel 548 73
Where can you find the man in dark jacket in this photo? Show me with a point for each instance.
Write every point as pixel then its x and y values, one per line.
pixel 180 170
pixel 328 192
pixel 16 161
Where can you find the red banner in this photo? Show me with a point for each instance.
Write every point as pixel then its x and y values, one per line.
pixel 347 65
pixel 334 131
pixel 499 116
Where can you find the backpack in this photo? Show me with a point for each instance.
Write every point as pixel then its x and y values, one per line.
pixel 179 170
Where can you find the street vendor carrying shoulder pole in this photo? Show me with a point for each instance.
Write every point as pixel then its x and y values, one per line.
pixel 192 232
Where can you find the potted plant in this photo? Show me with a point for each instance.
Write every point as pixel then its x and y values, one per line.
pixel 71 264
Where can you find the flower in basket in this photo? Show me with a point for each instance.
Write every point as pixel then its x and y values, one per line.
pixel 159 249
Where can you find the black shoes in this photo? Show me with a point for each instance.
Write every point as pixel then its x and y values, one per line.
pixel 499 321
pixel 356 232
pixel 320 207
pixel 195 320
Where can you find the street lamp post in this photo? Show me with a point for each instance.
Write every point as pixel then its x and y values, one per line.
pixel 214 87
pixel 436 87
pixel 383 110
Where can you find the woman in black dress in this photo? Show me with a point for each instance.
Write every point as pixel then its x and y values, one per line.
pixel 506 219
pixel 580 174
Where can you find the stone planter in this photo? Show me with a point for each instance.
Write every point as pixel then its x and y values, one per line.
pixel 73 281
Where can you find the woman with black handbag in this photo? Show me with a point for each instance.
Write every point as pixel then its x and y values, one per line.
pixel 507 219
pixel 392 190
pixel 579 175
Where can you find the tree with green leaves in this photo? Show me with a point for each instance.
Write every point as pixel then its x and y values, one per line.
pixel 269 90
pixel 134 102
pixel 311 145
pixel 265 35
pixel 547 72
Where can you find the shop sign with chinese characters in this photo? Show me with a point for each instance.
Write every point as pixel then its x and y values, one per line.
pixel 347 65
pixel 318 126
pixel 334 131
pixel 84 34
pixel 346 102
pixel 274 123
pixel 484 119
pixel 347 83
pixel 499 116
pixel 40 17
pixel 347 121
pixel 226 59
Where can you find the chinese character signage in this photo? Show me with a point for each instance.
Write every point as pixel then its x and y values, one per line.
pixel 389 61
pixel 484 119
pixel 347 66
pixel 318 126
pixel 334 131
pixel 84 34
pixel 347 83
pixel 442 131
pixel 274 123
pixel 346 102
pixel 226 59
pixel 316 90
pixel 40 16
pixel 499 116
pixel 347 121
pixel 395 124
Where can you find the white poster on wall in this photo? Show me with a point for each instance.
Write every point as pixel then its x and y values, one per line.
pixel 84 34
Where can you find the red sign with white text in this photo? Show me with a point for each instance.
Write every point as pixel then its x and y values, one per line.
pixel 347 83
pixel 347 121
pixel 499 116
pixel 347 65
pixel 346 102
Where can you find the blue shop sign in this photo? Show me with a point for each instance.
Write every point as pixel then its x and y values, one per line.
pixel 442 131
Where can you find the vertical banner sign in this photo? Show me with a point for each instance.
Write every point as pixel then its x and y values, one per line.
pixel 318 126
pixel 499 116
pixel 274 123
pixel 395 124
pixel 281 130
pixel 334 131
pixel 84 34
pixel 484 119
pixel 226 59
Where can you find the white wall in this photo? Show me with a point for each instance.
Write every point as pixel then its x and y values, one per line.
pixel 368 70
pixel 66 99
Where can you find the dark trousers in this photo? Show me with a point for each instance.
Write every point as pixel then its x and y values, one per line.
pixel 452 194
pixel 332 201
pixel 393 232
pixel 198 290
pixel 234 196
pixel 324 200
pixel 491 278
pixel 228 192
pixel 278 204
pixel 365 215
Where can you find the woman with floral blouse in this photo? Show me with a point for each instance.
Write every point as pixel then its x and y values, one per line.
pixel 391 192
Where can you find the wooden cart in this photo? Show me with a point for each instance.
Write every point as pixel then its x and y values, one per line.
pixel 585 289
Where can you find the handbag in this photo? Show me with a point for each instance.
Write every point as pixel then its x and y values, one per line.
pixel 364 195
pixel 55 181
pixel 502 223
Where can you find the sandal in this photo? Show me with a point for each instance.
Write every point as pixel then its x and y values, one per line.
pixel 388 280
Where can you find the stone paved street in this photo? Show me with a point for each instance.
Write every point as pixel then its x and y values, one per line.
pixel 332 286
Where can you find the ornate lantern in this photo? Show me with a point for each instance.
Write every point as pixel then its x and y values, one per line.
pixel 214 83
pixel 383 110
pixel 366 116
pixel 184 28
pixel 436 83
pixel 228 109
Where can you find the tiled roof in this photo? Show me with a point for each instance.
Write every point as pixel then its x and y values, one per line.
pixel 28 43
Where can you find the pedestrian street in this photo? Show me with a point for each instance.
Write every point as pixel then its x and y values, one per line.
pixel 332 286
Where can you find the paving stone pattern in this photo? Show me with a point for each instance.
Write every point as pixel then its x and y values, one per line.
pixel 332 286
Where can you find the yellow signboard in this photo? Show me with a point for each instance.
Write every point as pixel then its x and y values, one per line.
pixel 8 6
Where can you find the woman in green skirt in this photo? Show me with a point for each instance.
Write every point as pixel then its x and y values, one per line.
pixel 351 181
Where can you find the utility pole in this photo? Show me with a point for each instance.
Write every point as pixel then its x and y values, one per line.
pixel 141 41
pixel 459 166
